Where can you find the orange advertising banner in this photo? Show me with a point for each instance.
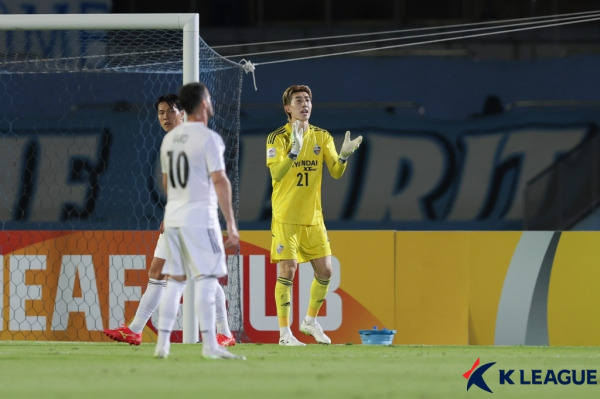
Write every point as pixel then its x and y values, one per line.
pixel 70 285
pixel 450 288
pixel 66 285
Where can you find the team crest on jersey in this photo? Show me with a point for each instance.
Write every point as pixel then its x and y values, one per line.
pixel 279 249
pixel 317 149
pixel 271 152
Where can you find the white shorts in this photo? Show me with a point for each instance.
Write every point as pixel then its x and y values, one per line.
pixel 195 252
pixel 161 251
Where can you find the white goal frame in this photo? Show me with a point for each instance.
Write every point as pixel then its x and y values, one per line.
pixel 188 23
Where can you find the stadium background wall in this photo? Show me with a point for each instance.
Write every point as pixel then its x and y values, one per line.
pixel 442 170
pixel 440 164
pixel 450 288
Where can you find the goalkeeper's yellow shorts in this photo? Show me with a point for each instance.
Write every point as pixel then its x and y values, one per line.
pixel 295 241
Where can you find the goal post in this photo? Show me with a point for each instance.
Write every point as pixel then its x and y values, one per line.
pixel 16 63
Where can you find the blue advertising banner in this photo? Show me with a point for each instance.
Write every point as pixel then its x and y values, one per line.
pixel 104 173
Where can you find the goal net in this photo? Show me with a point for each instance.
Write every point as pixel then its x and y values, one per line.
pixel 81 200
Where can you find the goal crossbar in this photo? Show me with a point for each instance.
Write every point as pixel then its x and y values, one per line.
pixel 188 23
pixel 98 21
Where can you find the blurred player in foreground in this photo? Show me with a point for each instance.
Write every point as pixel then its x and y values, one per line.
pixel 195 179
pixel 296 155
pixel 170 115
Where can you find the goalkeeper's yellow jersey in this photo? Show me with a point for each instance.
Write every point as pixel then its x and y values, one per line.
pixel 296 197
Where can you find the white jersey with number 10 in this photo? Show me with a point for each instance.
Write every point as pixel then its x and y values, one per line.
pixel 188 155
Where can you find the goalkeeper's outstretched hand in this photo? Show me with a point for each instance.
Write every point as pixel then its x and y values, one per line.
pixel 297 137
pixel 349 146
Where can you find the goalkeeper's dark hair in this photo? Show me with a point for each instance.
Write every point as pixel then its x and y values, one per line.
pixel 191 95
pixel 170 99
pixel 289 92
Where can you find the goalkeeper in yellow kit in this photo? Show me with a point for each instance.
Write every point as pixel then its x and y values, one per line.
pixel 296 154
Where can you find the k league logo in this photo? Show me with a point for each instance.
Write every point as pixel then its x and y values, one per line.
pixel 475 376
pixel 531 377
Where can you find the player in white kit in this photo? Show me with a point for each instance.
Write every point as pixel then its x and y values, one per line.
pixel 195 179
pixel 170 115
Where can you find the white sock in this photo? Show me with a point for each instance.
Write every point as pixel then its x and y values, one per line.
pixel 170 305
pixel 221 313
pixel 206 290
pixel 310 320
pixel 148 304
pixel 285 331
pixel 163 341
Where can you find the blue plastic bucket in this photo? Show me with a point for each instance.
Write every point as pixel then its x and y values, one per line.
pixel 377 337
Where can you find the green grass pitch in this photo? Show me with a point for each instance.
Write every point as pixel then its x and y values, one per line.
pixel 112 370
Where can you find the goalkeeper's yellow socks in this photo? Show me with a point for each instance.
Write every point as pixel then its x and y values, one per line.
pixel 318 292
pixel 283 298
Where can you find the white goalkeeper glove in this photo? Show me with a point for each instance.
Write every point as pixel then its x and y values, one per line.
pixel 297 137
pixel 349 146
